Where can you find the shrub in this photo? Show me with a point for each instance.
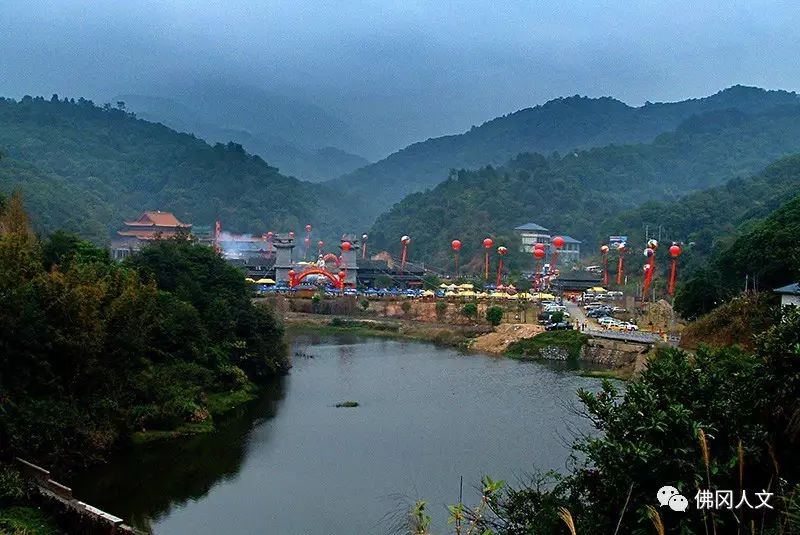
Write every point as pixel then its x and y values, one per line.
pixel 441 310
pixel 494 315
pixel 469 310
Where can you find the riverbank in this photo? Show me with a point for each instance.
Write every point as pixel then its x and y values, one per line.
pixel 517 341
pixel 217 405
pixel 457 336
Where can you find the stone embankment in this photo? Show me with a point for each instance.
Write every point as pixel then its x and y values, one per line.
pixel 614 354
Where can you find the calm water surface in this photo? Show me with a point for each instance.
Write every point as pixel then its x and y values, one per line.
pixel 292 463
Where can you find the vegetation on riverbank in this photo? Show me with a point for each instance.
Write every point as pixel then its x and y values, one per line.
pixel 92 352
pixel 718 419
pixel 532 348
pixel 444 335
pixel 16 516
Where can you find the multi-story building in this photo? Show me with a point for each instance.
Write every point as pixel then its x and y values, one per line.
pixel 531 234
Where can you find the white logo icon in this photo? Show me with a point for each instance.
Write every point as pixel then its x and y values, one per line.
pixel 668 495
pixel 678 503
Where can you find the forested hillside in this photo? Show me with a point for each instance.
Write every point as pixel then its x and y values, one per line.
pixel 561 125
pixel 579 193
pixel 766 252
pixel 86 168
pixel 715 216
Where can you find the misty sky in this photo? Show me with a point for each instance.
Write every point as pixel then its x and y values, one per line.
pixel 403 70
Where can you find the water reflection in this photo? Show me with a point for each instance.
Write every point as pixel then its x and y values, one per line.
pixel 292 463
pixel 144 483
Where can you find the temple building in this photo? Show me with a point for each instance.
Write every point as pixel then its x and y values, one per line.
pixel 148 227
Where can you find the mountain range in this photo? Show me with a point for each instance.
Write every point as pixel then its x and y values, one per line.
pixel 577 193
pixel 298 138
pixel 563 125
pixel 86 168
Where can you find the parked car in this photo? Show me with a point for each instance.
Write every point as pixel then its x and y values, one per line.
pixel 619 309
pixel 605 321
pixel 630 326
pixel 561 326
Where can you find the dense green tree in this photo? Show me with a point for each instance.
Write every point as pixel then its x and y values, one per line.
pixel 494 315
pixel 717 419
pixel 469 310
pixel 91 351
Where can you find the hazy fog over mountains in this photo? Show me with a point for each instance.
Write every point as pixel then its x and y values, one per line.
pixel 373 77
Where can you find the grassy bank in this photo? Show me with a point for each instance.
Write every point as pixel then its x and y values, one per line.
pixel 439 334
pixel 17 515
pixel 25 520
pixel 218 404
pixel 536 347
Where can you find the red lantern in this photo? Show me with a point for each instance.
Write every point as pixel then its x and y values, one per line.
pixel 342 275
pixel 270 234
pixel 539 253
pixel 538 246
pixel 320 244
pixel 364 246
pixel 675 252
pixel 346 246
pixel 604 251
pixel 621 248
pixel 487 244
pixel 308 228
pixel 502 252
pixel 456 245
pixel 291 278
pixel 405 240
pixel 558 243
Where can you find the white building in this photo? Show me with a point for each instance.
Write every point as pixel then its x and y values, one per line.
pixel 531 234
pixel 790 295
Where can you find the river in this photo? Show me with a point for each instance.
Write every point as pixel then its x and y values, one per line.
pixel 292 463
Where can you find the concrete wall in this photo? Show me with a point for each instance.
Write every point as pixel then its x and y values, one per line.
pixel 72 515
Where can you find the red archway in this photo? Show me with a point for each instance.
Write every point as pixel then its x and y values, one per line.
pixel 295 278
